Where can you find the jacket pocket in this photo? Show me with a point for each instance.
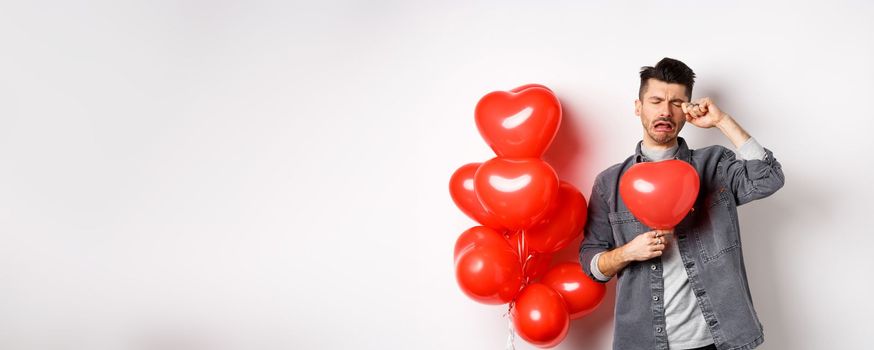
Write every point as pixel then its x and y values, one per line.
pixel 717 228
pixel 625 226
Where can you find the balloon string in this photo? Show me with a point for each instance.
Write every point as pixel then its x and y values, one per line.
pixel 510 337
pixel 524 256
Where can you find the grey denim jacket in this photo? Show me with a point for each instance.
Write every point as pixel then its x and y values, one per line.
pixel 708 240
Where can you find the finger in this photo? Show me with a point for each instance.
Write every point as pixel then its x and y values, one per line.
pixel 657 247
pixel 685 107
pixel 656 253
pixel 705 105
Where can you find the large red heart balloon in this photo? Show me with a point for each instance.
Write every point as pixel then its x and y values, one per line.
pixel 519 123
pixel 516 190
pixel 660 194
pixel 581 294
pixel 464 196
pixel 563 222
pixel 539 315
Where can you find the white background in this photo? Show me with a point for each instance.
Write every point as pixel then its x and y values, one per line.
pixel 273 175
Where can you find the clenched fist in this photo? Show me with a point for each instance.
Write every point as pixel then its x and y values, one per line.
pixel 703 113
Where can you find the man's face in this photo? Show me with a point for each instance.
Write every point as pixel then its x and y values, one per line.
pixel 660 110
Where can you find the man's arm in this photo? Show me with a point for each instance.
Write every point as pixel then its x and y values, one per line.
pixel 598 234
pixel 705 114
pixel 733 131
pixel 757 176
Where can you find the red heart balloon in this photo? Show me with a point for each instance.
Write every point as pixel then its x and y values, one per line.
pixel 563 222
pixel 477 236
pixel 520 123
pixel 660 194
pixel 489 272
pixel 464 196
pixel 581 294
pixel 516 190
pixel 539 315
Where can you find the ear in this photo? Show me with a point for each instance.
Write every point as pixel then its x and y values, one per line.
pixel 637 105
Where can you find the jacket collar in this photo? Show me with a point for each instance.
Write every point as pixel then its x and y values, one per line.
pixel 683 152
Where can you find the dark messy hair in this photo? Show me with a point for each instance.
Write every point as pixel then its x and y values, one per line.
pixel 670 71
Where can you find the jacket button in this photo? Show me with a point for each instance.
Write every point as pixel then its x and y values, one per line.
pixel 653 267
pixel 658 329
pixel 655 297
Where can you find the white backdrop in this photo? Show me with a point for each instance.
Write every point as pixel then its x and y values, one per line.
pixel 273 175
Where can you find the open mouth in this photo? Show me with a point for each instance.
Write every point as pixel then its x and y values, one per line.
pixel 663 126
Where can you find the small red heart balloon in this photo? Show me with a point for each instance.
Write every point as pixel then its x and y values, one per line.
pixel 463 194
pixel 540 315
pixel 660 194
pixel 478 235
pixel 516 190
pixel 581 294
pixel 489 272
pixel 520 123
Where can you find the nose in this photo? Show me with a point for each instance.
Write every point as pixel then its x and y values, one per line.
pixel 664 110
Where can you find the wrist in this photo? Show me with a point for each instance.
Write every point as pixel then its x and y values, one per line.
pixel 732 130
pixel 724 122
pixel 621 256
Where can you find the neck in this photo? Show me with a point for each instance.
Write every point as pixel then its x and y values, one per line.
pixel 653 145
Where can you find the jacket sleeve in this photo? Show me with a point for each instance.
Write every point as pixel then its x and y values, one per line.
pixel 597 235
pixel 750 179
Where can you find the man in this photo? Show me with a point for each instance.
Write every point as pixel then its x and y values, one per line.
pixel 684 288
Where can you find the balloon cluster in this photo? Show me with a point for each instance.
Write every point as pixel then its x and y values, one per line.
pixel 527 214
